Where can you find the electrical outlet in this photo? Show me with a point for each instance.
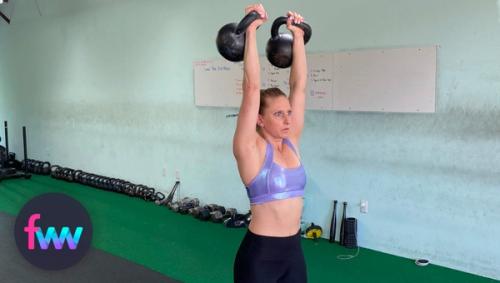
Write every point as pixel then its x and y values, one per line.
pixel 363 207
pixel 164 172
pixel 177 175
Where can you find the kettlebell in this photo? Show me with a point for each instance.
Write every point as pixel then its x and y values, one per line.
pixel 279 47
pixel 231 38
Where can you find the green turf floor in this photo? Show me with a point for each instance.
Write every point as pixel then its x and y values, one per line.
pixel 190 250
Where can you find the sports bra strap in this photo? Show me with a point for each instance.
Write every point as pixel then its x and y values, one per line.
pixel 289 143
pixel 268 161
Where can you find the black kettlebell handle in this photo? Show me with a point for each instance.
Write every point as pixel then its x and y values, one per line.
pixel 282 20
pixel 246 21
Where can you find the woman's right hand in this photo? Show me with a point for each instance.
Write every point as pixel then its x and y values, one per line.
pixel 263 15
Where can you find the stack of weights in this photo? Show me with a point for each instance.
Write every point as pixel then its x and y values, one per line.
pixel 350 232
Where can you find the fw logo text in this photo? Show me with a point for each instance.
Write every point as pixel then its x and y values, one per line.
pixel 51 235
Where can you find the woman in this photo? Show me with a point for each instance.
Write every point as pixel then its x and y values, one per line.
pixel 269 165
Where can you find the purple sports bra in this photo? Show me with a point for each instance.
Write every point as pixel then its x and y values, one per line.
pixel 274 182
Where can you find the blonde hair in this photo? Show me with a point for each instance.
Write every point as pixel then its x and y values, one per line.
pixel 272 92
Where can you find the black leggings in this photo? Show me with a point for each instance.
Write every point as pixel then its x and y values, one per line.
pixel 263 259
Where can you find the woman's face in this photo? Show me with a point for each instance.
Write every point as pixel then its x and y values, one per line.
pixel 276 118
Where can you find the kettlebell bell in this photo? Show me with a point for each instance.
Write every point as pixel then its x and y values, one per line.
pixel 231 38
pixel 279 47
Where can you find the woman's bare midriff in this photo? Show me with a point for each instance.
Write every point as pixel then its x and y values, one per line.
pixel 279 218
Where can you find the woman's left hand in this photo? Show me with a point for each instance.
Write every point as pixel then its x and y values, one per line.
pixel 294 18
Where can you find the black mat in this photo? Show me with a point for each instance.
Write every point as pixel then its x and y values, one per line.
pixel 96 266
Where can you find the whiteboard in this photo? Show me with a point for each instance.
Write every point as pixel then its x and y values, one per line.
pixel 218 82
pixel 319 94
pixel 387 80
